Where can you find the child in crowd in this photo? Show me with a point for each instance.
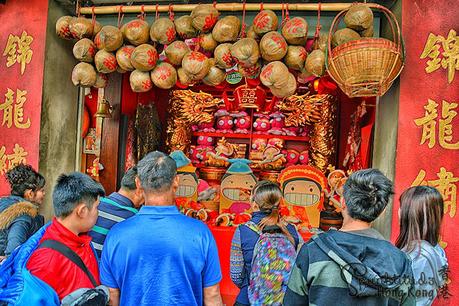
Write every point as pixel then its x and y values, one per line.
pixel 19 218
pixel 265 200
pixel 421 213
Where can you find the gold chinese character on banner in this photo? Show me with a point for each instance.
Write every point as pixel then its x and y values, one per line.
pixel 13 109
pixel 449 56
pixel 445 127
pixel 446 185
pixel 9 161
pixel 428 123
pixel 17 50
pixel 3 160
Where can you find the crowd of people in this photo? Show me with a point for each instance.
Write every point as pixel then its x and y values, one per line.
pixel 134 247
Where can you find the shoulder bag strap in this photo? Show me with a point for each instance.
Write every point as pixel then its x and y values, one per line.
pixel 111 202
pixel 69 254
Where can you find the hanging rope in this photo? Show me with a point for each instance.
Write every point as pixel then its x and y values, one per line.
pixel 157 12
pixel 120 16
pixel 77 8
pixel 93 19
pixel 243 33
pixel 318 26
pixel 171 12
pixel 142 13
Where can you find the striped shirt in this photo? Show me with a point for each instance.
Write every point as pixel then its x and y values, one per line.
pixel 112 209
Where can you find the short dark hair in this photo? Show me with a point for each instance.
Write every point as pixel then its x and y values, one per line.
pixel 156 171
pixel 128 180
pixel 367 193
pixel 72 189
pixel 23 177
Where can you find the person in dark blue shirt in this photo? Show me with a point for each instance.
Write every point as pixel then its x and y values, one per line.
pixel 115 208
pixel 160 256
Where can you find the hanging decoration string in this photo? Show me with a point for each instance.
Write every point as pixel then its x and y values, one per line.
pixel 157 11
pixel 261 6
pixel 77 8
pixel 243 33
pixel 93 19
pixel 142 13
pixel 171 12
pixel 120 16
pixel 318 26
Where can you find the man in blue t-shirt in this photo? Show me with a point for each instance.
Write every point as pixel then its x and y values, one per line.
pixel 115 208
pixel 159 256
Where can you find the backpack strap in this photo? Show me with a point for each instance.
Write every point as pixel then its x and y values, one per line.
pixel 111 202
pixel 70 255
pixel 253 226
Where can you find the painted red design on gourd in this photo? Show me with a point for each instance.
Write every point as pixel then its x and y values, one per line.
pixel 134 24
pixel 209 22
pixel 152 57
pixel 110 62
pixel 261 21
pixel 170 34
pixel 146 84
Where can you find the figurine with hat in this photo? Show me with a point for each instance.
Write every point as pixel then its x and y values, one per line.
pixel 303 187
pixel 188 180
pixel 236 186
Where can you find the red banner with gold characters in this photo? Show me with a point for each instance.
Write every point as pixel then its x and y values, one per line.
pixel 22 51
pixel 428 126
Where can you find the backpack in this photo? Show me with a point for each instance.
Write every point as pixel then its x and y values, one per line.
pixel 273 259
pixel 17 285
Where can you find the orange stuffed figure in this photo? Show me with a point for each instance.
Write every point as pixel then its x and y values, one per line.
pixel 303 187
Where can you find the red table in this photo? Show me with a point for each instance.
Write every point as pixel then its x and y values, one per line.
pixel 223 237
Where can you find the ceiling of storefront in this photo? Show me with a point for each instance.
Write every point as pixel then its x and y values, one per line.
pixel 69 5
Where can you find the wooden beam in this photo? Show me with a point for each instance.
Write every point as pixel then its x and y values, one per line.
pixel 224 7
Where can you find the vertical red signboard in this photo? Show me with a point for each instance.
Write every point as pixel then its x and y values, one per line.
pixel 428 131
pixel 22 51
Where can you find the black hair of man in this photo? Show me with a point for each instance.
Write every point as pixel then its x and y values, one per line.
pixel 367 193
pixel 156 171
pixel 72 189
pixel 128 180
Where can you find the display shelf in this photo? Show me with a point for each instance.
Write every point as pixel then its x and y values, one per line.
pixel 253 136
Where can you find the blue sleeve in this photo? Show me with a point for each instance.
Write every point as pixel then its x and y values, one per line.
pixel 107 277
pixel 212 274
pixel 18 233
pixel 297 292
pixel 237 260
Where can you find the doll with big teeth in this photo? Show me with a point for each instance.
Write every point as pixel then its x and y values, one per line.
pixel 188 180
pixel 236 186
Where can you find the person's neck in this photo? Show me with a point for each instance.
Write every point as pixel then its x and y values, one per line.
pixel 166 199
pixel 350 224
pixel 127 193
pixel 69 224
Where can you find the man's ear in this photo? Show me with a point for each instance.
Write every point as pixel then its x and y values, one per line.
pixel 343 203
pixel 137 183
pixel 175 183
pixel 81 210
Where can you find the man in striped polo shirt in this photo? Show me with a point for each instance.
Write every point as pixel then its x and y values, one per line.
pixel 115 208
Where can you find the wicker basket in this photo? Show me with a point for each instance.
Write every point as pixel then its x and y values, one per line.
pixel 366 67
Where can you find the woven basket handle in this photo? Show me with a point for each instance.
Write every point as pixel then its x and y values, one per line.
pixel 389 15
